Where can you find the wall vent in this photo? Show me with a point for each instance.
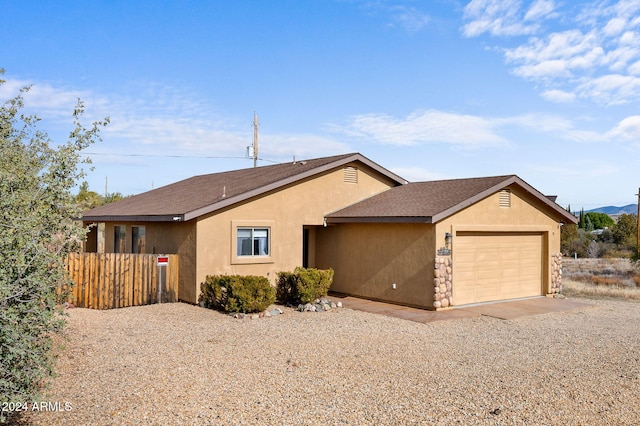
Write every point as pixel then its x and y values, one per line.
pixel 504 198
pixel 350 174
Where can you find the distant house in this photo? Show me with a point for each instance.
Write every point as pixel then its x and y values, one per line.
pixel 425 244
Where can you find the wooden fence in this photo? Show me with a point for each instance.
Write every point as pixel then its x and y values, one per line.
pixel 119 280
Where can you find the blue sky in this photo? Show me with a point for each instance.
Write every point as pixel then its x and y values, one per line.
pixel 545 89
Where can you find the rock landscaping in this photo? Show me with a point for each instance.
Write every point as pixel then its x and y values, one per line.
pixel 177 364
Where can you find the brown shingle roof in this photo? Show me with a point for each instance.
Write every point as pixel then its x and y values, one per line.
pixel 203 194
pixel 429 202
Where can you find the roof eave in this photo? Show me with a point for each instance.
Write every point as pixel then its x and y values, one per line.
pixel 134 218
pixel 292 179
pixel 379 219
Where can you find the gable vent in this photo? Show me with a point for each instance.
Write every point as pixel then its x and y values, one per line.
pixel 504 198
pixel 350 174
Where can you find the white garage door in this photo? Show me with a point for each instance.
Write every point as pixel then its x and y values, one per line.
pixel 496 266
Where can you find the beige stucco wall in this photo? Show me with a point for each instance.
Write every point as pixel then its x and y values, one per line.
pixel 285 212
pixel 369 258
pixel 526 214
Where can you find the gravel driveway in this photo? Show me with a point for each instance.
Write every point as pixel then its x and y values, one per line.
pixel 180 364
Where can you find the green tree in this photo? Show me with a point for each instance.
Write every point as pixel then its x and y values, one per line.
pixel 37 232
pixel 600 220
pixel 87 199
pixel 588 225
pixel 569 239
pixel 625 231
pixel 581 219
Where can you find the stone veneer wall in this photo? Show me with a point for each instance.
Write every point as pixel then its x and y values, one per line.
pixel 556 273
pixel 442 282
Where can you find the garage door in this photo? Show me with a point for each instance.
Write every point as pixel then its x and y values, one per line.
pixel 496 266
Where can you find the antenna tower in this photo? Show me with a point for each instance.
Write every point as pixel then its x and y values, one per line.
pixel 255 139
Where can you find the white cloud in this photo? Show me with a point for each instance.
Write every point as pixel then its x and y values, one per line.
pixel 558 96
pixel 611 89
pixel 626 130
pixel 556 56
pixel 593 54
pixel 43 98
pixel 634 69
pixel 540 9
pixel 161 120
pixel 423 127
pixel 505 17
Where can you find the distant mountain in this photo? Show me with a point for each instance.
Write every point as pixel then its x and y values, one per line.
pixel 615 211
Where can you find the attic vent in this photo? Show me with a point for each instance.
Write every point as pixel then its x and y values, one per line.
pixel 350 174
pixel 504 198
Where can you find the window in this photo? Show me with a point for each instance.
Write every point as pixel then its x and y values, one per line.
pixel 137 239
pixel 119 239
pixel 253 242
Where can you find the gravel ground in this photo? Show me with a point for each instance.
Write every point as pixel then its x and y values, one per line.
pixel 180 364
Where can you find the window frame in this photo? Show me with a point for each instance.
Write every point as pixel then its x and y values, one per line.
pixel 255 241
pixel 259 225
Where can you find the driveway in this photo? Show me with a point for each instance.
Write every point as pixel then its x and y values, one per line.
pixel 503 310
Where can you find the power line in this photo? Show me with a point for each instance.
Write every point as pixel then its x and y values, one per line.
pixel 179 156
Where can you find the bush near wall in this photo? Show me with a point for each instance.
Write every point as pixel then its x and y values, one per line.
pixel 303 285
pixel 237 293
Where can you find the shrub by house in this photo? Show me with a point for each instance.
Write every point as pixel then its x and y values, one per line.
pixel 237 293
pixel 303 285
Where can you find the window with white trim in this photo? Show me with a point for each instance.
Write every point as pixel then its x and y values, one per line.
pixel 253 242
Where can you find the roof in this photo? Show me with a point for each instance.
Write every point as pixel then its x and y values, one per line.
pixel 430 202
pixel 199 195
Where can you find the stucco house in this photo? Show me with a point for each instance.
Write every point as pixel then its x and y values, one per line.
pixel 256 221
pixel 425 244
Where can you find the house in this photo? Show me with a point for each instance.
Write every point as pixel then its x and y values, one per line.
pixel 256 221
pixel 425 244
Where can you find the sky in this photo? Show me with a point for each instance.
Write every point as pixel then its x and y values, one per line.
pixel 548 90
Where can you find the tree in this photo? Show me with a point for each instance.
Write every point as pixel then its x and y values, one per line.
pixel 87 199
pixel 569 239
pixel 588 225
pixel 625 231
pixel 600 220
pixel 37 232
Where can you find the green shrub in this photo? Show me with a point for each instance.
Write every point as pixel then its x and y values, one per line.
pixel 303 285
pixel 237 293
pixel 37 209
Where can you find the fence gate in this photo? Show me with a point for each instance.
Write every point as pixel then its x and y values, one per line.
pixel 119 280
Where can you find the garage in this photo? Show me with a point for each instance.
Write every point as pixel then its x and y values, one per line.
pixel 442 244
pixel 497 266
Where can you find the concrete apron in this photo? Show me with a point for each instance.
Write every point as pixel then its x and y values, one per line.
pixel 506 310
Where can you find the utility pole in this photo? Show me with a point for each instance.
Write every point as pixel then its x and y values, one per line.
pixel 255 139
